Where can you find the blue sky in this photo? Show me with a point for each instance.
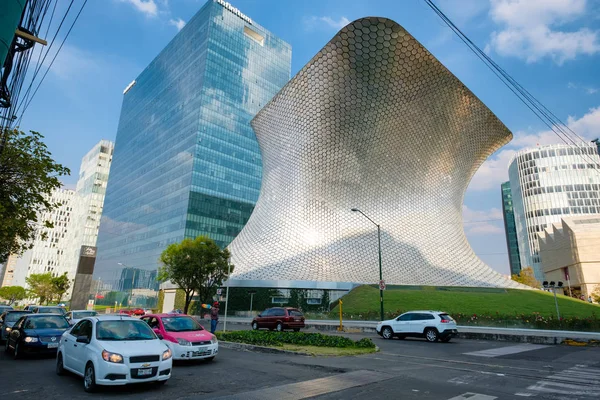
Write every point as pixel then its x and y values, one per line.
pixel 552 47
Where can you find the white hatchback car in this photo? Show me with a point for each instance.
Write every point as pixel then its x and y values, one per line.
pixel 113 350
pixel 432 325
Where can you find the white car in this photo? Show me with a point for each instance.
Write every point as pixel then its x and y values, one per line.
pixel 77 315
pixel 432 325
pixel 113 350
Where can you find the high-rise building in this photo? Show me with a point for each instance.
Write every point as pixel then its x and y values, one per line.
pixel 186 160
pixel 548 183
pixel 512 244
pixel 87 210
pixel 50 244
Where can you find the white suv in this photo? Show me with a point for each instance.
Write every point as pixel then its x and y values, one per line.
pixel 113 350
pixel 432 325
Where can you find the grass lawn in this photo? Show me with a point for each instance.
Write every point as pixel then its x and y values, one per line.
pixel 325 351
pixel 363 301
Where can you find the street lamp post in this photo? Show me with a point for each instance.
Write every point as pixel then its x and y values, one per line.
pixel 379 249
pixel 227 295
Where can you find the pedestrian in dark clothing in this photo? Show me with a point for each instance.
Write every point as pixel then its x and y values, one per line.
pixel 214 317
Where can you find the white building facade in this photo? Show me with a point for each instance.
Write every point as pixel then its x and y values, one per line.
pixel 548 183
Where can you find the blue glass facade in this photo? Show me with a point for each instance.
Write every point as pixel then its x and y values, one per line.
pixel 186 160
pixel 512 242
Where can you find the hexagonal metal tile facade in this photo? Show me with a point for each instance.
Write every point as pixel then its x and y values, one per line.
pixel 375 122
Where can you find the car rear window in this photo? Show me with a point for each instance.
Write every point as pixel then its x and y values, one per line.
pixel 50 310
pixel 295 313
pixel 14 316
pixel 83 314
pixel 47 322
pixel 446 317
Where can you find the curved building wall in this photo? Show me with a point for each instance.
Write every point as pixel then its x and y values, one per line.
pixel 373 121
pixel 548 183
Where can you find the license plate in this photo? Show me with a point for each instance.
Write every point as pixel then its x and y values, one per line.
pixel 52 345
pixel 144 371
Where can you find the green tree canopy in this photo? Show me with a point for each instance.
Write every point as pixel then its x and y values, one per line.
pixel 195 265
pixel 12 293
pixel 41 286
pixel 28 175
pixel 527 277
pixel 60 285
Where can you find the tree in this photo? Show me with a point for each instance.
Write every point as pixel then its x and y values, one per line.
pixel 526 277
pixel 195 265
pixel 28 175
pixel 60 285
pixel 41 286
pixel 12 293
pixel 596 294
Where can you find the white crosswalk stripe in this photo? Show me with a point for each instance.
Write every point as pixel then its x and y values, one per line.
pixel 576 381
pixel 473 396
pixel 503 351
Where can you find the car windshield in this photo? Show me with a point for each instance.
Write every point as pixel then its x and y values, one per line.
pixel 124 330
pixel 14 316
pixel 50 310
pixel 83 314
pixel 47 322
pixel 181 324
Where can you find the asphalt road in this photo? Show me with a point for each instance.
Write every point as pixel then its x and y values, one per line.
pixel 407 369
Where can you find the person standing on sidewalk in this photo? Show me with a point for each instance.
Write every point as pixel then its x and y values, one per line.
pixel 214 317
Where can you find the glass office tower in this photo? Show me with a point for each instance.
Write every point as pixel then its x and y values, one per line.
pixel 186 161
pixel 512 243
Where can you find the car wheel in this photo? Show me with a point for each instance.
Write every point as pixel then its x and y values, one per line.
pixel 279 327
pixel 89 379
pixel 296 329
pixel 387 333
pixel 446 339
pixel 60 368
pixel 210 358
pixel 431 335
pixel 255 326
pixel 16 352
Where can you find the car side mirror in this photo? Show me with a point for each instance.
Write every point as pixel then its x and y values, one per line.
pixel 83 339
pixel 259 315
pixel 398 319
pixel 161 337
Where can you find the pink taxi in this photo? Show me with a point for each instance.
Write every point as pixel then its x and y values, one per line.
pixel 186 338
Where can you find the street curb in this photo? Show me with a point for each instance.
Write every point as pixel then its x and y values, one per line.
pixel 569 339
pixel 259 349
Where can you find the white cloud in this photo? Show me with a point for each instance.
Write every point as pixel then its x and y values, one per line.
pixel 495 170
pixel 311 23
pixel 530 30
pixel 147 7
pixel 483 222
pixel 178 23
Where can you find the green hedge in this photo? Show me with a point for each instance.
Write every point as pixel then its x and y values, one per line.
pixel 266 338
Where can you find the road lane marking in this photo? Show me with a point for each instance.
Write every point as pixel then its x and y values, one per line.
pixel 575 381
pixel 314 387
pixel 503 351
pixel 473 396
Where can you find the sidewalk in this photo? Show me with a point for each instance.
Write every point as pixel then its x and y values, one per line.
pixel 537 336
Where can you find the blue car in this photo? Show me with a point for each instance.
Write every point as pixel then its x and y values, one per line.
pixel 36 334
pixel 7 320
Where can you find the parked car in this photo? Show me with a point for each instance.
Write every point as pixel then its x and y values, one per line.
pixel 186 338
pixel 279 318
pixel 36 333
pixel 113 350
pixel 5 308
pixel 77 315
pixel 7 320
pixel 431 325
pixel 30 307
pixel 49 310
pixel 132 312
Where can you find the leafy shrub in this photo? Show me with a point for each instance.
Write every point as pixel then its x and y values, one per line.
pixel 267 338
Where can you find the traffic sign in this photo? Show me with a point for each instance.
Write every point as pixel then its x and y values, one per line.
pixel 382 285
pixel 219 291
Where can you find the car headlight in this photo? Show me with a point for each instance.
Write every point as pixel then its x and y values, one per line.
pixel 183 342
pixel 8 329
pixel 112 357
pixel 166 355
pixel 30 339
pixel 214 340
